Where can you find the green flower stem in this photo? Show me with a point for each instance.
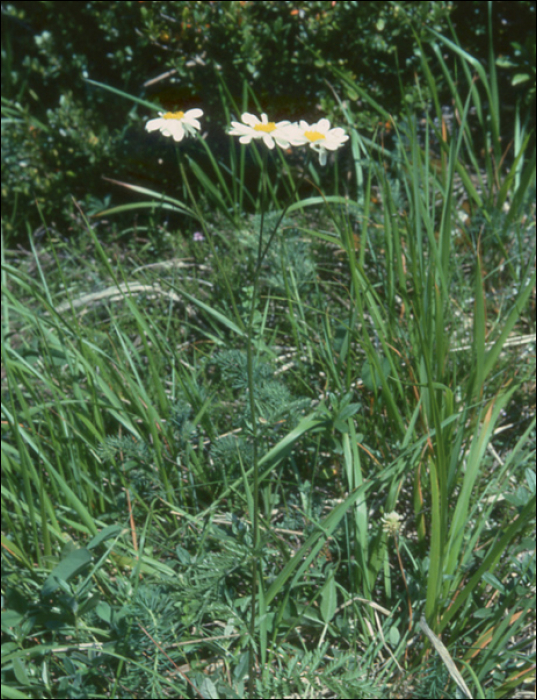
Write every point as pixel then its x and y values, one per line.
pixel 253 418
pixel 209 238
pixel 409 602
pixel 261 253
pixel 249 329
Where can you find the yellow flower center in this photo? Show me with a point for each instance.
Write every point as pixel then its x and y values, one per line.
pixel 265 127
pixel 173 115
pixel 314 135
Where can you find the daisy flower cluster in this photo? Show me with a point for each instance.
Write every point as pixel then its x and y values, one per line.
pixel 320 137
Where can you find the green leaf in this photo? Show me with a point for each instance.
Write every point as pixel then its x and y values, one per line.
pixel 121 93
pixel 12 694
pixel 329 599
pixel 72 565
pixel 371 376
pixel 105 534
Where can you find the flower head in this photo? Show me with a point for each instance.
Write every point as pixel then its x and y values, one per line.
pixel 283 133
pixel 176 124
pixel 321 137
pixel 391 523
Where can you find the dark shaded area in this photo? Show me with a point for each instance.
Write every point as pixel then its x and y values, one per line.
pixel 66 134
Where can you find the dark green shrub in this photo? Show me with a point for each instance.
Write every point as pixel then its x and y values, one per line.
pixel 60 135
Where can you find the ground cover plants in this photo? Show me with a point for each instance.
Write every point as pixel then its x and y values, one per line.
pixel 282 443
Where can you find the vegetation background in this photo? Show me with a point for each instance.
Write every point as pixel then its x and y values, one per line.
pixel 66 133
pixel 387 339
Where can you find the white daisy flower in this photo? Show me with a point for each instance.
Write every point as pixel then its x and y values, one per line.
pixel 322 138
pixel 176 124
pixel 283 133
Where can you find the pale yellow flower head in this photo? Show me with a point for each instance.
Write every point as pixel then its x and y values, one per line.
pixel 391 523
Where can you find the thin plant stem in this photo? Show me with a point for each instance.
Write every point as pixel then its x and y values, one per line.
pixel 261 254
pixel 250 371
pixel 404 581
pixel 209 238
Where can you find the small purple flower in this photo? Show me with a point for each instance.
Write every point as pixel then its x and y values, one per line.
pixel 198 236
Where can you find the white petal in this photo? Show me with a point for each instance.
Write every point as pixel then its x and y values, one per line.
pixel 175 129
pixel 153 124
pixel 339 133
pixel 193 113
pixel 294 134
pixel 250 119
pixel 191 125
pixel 239 129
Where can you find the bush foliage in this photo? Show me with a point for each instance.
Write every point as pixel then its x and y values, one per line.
pixel 60 134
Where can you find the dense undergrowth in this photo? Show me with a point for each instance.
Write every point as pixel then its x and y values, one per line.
pixel 229 474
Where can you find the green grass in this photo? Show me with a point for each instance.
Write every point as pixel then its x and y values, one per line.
pixel 199 442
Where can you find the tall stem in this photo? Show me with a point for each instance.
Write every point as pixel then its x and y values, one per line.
pixel 249 329
pixel 253 418
pixel 209 238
